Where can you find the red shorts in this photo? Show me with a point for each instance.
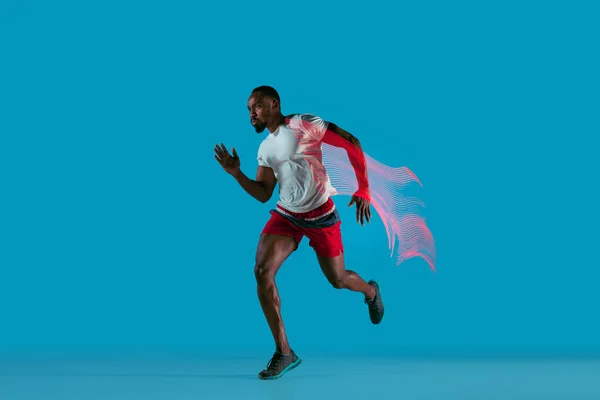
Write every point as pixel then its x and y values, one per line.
pixel 321 226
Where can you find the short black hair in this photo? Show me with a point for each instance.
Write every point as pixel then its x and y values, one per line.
pixel 268 91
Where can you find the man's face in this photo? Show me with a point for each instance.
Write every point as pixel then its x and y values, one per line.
pixel 261 111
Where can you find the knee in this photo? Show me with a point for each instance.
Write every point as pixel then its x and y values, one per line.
pixel 338 282
pixel 263 273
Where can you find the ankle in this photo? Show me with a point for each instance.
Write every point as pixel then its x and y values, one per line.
pixel 370 295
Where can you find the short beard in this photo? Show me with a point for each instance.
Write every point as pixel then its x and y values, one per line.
pixel 259 128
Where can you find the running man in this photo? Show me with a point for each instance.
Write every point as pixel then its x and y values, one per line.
pixel 291 156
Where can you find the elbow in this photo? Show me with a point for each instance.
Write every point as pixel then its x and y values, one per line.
pixel 266 196
pixel 354 140
pixel 354 148
pixel 265 193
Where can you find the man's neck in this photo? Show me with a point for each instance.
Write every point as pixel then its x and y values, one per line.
pixel 277 122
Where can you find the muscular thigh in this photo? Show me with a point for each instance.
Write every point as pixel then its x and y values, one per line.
pixel 333 267
pixel 272 251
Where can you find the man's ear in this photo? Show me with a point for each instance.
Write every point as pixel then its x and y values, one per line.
pixel 275 104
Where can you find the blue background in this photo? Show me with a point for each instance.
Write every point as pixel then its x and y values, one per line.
pixel 121 234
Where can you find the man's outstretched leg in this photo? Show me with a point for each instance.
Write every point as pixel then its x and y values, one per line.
pixel 341 278
pixel 272 251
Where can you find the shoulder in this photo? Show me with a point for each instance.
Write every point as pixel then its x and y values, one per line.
pixel 263 142
pixel 304 117
pixel 263 153
pixel 306 122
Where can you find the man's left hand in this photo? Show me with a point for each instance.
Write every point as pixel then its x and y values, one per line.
pixel 363 209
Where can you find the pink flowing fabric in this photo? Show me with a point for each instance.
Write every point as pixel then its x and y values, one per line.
pixel 329 155
pixel 407 231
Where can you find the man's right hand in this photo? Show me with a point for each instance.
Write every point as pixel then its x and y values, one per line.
pixel 230 163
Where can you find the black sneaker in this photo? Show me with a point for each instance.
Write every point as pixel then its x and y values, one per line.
pixel 375 305
pixel 280 364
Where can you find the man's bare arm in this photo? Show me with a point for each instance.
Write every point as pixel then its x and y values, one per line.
pixel 261 188
pixel 344 134
pixel 339 137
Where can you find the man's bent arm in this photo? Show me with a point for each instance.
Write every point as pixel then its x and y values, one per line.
pixel 338 137
pixel 261 188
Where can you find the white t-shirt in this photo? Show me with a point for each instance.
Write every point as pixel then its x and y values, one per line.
pixel 293 151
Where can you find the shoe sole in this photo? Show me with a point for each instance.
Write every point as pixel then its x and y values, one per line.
pixel 282 373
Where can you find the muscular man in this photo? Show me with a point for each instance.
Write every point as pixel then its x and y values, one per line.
pixel 291 156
